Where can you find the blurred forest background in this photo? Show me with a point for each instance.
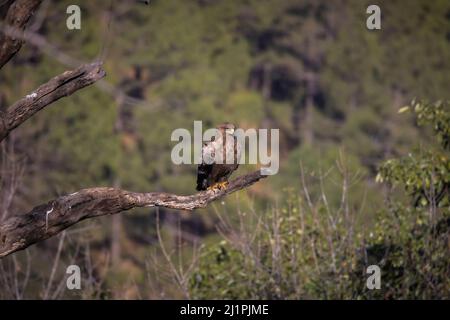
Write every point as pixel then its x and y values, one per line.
pixel 309 68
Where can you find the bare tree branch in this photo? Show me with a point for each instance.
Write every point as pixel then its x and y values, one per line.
pixel 60 86
pixel 44 221
pixel 17 16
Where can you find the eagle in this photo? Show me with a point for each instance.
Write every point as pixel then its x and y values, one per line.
pixel 215 175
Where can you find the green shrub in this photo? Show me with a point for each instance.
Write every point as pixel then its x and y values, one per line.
pixel 310 249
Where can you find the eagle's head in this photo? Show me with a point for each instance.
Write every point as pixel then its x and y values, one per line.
pixel 226 128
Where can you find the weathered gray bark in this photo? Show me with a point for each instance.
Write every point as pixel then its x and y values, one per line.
pixel 60 86
pixel 17 17
pixel 47 220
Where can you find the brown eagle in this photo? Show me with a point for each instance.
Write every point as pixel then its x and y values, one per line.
pixel 215 175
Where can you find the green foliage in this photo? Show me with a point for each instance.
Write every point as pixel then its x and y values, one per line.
pixel 410 241
pixel 425 174
pixel 303 249
pixel 410 245
pixel 312 250
pixel 256 63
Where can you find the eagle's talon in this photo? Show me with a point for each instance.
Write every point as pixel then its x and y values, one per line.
pixel 219 186
pixel 223 185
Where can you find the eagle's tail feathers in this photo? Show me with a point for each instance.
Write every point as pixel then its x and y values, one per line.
pixel 202 178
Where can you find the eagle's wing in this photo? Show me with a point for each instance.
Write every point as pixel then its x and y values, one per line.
pixel 206 165
pixel 210 172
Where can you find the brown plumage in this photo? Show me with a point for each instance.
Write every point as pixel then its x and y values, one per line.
pixel 211 174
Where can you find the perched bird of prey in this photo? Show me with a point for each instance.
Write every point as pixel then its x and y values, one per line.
pixel 215 175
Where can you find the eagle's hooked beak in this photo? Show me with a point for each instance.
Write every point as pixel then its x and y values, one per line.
pixel 230 131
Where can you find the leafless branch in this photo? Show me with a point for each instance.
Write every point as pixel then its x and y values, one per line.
pixel 60 86
pixel 44 221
